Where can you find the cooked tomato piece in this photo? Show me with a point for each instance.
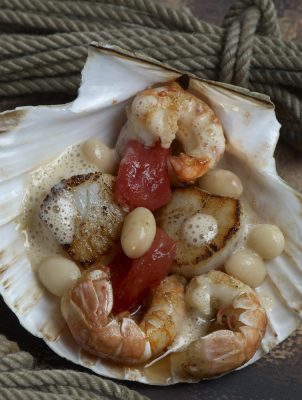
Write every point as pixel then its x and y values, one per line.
pixel 119 268
pixel 133 279
pixel 143 179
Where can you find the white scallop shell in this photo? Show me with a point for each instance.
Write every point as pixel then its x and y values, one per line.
pixel 31 136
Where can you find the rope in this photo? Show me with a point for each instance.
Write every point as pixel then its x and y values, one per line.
pixel 43 47
pixel 18 380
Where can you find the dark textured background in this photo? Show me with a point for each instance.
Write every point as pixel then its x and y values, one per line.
pixel 277 376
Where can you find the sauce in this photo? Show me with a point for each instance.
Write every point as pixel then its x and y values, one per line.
pixel 159 372
pixel 40 242
pixel 200 229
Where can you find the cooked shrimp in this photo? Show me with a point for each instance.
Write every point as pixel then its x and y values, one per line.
pixel 236 333
pixel 87 311
pixel 169 112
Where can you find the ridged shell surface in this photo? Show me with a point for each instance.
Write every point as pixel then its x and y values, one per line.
pixel 33 136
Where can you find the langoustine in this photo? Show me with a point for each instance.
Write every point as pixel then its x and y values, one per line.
pixel 237 320
pixel 87 309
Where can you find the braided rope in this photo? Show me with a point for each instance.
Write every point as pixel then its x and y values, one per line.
pixel 36 21
pixel 268 23
pixel 18 380
pixel 7 347
pixel 58 84
pixel 282 96
pixel 43 47
pixel 245 46
pixel 79 11
pixel 16 361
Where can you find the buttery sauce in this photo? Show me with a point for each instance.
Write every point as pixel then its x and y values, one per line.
pixel 40 242
pixel 159 372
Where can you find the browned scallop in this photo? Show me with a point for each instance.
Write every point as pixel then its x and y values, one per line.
pixel 189 205
pixel 83 217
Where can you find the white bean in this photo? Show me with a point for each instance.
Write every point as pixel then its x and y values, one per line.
pixel 221 182
pixel 99 154
pixel 58 274
pixel 138 232
pixel 267 240
pixel 246 266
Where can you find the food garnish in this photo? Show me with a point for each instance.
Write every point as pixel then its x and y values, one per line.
pixel 148 287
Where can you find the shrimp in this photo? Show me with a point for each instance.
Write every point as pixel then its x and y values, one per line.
pixel 234 336
pixel 87 310
pixel 169 112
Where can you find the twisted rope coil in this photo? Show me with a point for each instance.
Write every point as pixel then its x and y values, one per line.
pixel 18 380
pixel 246 51
pixel 43 47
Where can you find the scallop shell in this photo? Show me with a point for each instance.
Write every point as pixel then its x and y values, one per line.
pixel 32 136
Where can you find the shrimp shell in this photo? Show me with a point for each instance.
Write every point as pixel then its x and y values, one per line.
pixel 238 329
pixel 169 112
pixel 87 311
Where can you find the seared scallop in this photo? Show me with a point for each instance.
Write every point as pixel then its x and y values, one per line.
pixel 82 215
pixel 206 227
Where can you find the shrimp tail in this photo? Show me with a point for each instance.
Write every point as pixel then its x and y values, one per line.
pixel 87 309
pixel 189 168
pixel 233 336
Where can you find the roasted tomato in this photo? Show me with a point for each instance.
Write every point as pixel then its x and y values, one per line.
pixel 143 179
pixel 133 279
